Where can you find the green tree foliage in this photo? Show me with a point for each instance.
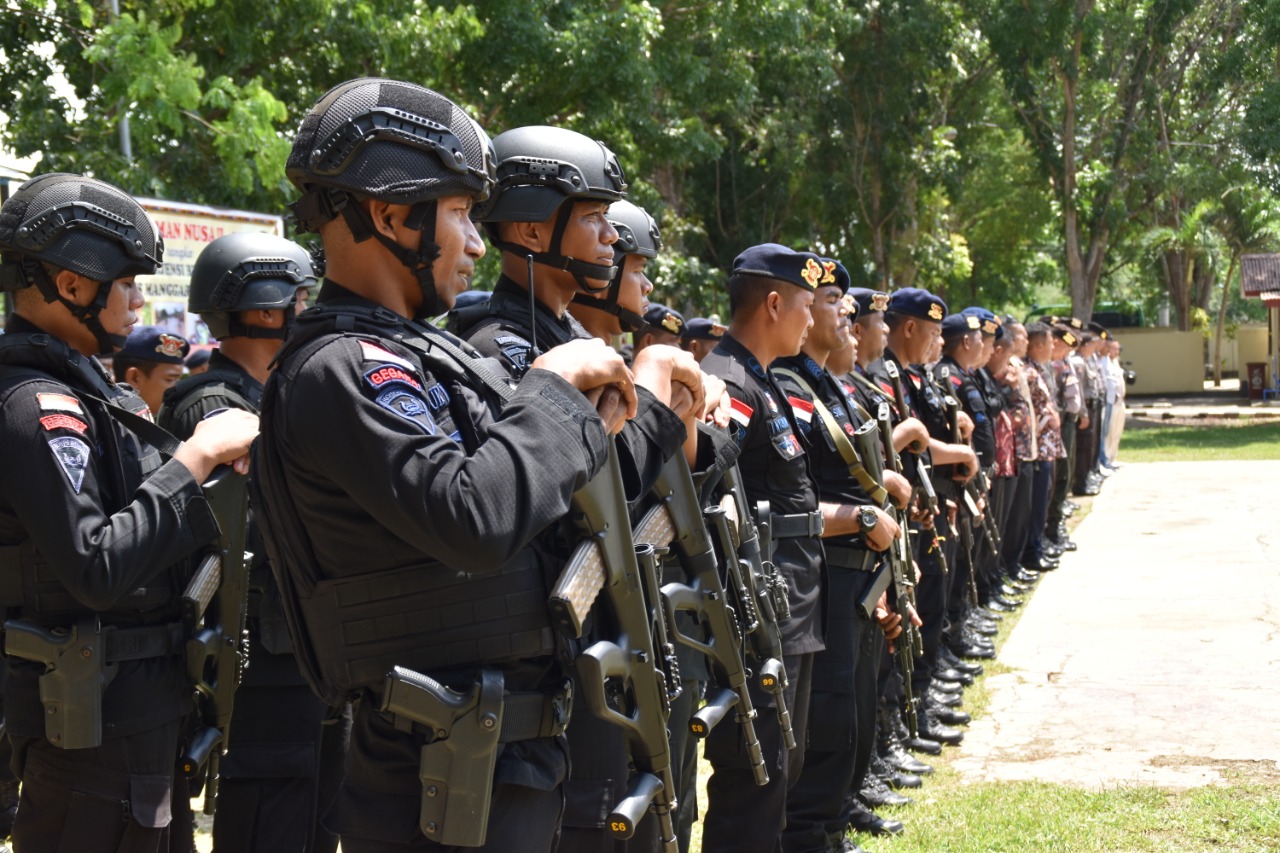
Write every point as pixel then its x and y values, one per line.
pixel 984 149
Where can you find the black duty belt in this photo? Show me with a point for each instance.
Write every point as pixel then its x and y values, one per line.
pixel 796 525
pixel 155 641
pixel 850 557
pixel 526 715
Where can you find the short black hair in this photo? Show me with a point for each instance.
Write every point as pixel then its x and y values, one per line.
pixel 747 292
pixel 1036 331
pixel 894 319
pixel 121 363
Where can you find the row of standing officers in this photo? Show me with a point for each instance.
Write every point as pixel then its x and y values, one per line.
pixel 418 493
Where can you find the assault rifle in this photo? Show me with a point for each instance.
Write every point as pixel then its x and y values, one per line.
pixel 911 644
pixel 966 515
pixel 704 597
pixel 920 478
pixel 621 679
pixel 214 607
pixel 756 586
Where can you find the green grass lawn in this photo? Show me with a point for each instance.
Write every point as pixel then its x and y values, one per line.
pixel 956 815
pixel 1232 440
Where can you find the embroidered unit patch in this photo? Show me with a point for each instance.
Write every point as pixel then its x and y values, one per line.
pixel 73 455
pixel 408 406
pixel 52 422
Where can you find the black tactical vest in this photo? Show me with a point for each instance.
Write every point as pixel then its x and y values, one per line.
pixel 28 587
pixel 349 632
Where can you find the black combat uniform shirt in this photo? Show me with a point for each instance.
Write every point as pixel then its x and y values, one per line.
pixel 774 468
pixel 105 516
pixel 505 334
pixel 387 466
pixel 226 385
pixel 962 386
pixel 830 471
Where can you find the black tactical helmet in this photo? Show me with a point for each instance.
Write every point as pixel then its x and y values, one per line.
pixel 539 169
pixel 243 272
pixel 637 232
pixel 395 142
pixel 637 235
pixel 79 224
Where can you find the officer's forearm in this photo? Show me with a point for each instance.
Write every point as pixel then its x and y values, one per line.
pixel 839 519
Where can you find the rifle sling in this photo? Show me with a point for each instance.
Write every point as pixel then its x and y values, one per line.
pixel 845 447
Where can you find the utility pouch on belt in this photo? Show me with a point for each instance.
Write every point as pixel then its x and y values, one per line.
pixel 76 674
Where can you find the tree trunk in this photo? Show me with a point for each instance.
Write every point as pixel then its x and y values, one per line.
pixel 1222 322
pixel 1174 264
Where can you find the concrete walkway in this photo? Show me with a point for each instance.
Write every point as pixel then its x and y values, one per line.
pixel 1152 656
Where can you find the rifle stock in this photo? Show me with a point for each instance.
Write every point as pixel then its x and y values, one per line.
pixel 910 644
pixel 754 580
pixel 704 597
pixel 620 678
pixel 214 608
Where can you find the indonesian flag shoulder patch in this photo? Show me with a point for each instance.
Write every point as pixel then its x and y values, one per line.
pixel 740 412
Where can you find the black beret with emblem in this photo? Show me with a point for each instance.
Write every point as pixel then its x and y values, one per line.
pixel 959 325
pixel 664 319
pixel 1064 334
pixel 1099 330
pixel 151 343
pixel 771 260
pixel 702 329
pixel 991 324
pixel 833 268
pixel 870 301
pixel 917 302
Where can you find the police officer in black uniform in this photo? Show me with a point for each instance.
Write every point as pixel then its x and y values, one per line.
pixel 914 317
pixel 557 244
pixel 245 287
pixel 893 763
pixel 842 714
pixel 401 497
pixel 770 290
pixel 962 352
pixel 662 325
pixel 700 336
pixel 95 528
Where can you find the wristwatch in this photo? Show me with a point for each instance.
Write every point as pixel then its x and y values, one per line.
pixel 867 518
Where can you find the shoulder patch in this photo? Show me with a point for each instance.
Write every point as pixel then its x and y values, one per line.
pixel 801 408
pixel 956 381
pixel 52 422
pixel 787 445
pixel 740 412
pixel 391 374
pixel 59 403
pixel 511 340
pixel 518 356
pixel 373 352
pixel 73 455
pixel 408 406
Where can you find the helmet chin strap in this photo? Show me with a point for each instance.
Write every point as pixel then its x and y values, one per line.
pixel 628 320
pixel 421 218
pixel 88 315
pixel 580 270
pixel 244 330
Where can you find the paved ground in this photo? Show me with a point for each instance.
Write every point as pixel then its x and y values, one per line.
pixel 1152 655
